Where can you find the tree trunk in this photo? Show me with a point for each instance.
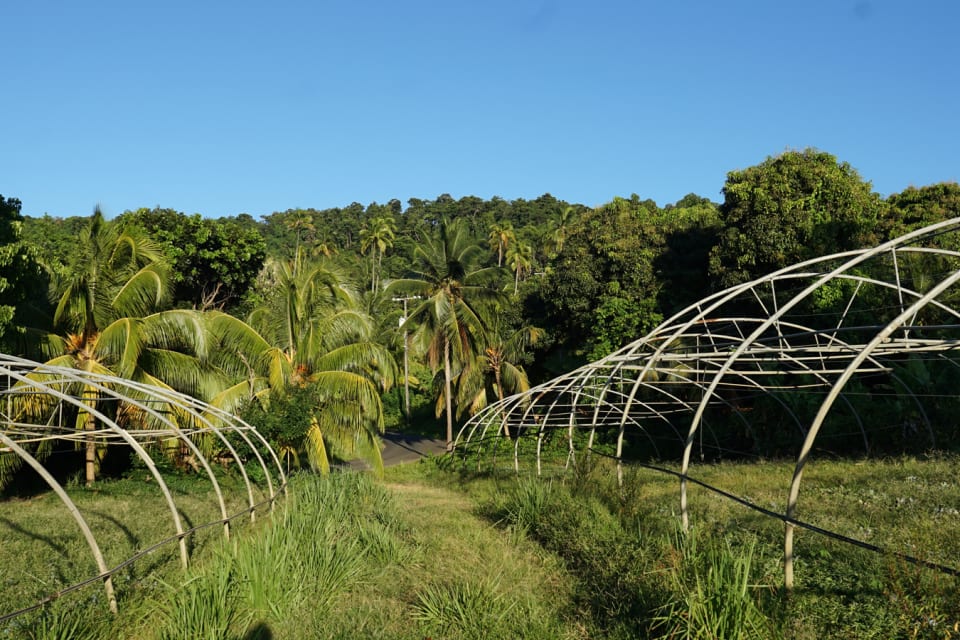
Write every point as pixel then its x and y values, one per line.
pixel 379 266
pixel 447 392
pixel 496 379
pixel 406 372
pixel 90 454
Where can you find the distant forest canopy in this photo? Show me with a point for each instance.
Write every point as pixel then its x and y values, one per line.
pixel 592 278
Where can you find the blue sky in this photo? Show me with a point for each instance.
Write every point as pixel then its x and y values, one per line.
pixel 229 107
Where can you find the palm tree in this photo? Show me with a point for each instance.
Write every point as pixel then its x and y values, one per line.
pixel 562 226
pixel 301 222
pixel 109 319
pixel 498 369
pixel 310 334
pixel 376 237
pixel 520 260
pixel 455 302
pixel 501 235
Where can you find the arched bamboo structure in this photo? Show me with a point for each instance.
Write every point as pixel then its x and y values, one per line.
pixel 806 343
pixel 36 398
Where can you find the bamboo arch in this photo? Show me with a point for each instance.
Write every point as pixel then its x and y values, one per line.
pixel 33 397
pixel 813 328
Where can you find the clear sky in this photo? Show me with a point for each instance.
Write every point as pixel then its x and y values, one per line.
pixel 225 107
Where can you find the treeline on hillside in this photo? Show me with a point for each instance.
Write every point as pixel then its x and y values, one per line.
pixel 499 294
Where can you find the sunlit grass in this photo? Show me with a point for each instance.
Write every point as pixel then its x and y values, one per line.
pixel 441 550
pixel 904 505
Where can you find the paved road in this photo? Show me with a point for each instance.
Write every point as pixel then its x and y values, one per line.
pixel 399 448
pixel 403 447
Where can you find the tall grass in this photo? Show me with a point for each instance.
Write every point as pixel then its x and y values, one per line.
pixel 711 593
pixel 724 578
pixel 203 607
pixel 465 610
pixel 302 560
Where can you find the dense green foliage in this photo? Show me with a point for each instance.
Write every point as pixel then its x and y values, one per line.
pixel 214 262
pixel 20 273
pixel 583 280
pixel 790 208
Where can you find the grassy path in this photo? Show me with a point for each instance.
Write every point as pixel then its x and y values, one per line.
pixel 454 575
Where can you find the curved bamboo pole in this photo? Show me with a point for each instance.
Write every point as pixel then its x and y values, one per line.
pixel 74 511
pixel 147 460
pixel 852 368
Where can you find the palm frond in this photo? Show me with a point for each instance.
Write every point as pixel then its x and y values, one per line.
pixel 316 449
pixel 144 292
pixel 120 345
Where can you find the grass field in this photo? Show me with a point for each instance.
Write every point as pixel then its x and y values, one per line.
pixel 440 551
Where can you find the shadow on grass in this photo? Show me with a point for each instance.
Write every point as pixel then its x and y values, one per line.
pixel 259 631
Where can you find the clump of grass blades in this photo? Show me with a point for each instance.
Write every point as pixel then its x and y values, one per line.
pixel 462 609
pixel 202 608
pixel 711 594
pixel 61 622
pixel 303 559
pixel 527 503
pixel 613 591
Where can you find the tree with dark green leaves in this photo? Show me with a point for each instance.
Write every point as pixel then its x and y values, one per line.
pixel 21 275
pixel 601 292
pixel 214 262
pixel 916 207
pixel 789 208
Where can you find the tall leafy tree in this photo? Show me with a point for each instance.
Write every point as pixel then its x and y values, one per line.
pixel 603 288
pixel 916 207
pixel 20 271
pixel 214 262
pixel 455 303
pixel 788 208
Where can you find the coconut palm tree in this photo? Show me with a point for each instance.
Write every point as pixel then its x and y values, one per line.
pixel 561 230
pixel 311 334
pixel 520 260
pixel 497 372
pixel 301 223
pixel 455 301
pixel 110 319
pixel 377 236
pixel 501 235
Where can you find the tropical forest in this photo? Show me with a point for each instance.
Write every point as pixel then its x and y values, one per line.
pixel 325 332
